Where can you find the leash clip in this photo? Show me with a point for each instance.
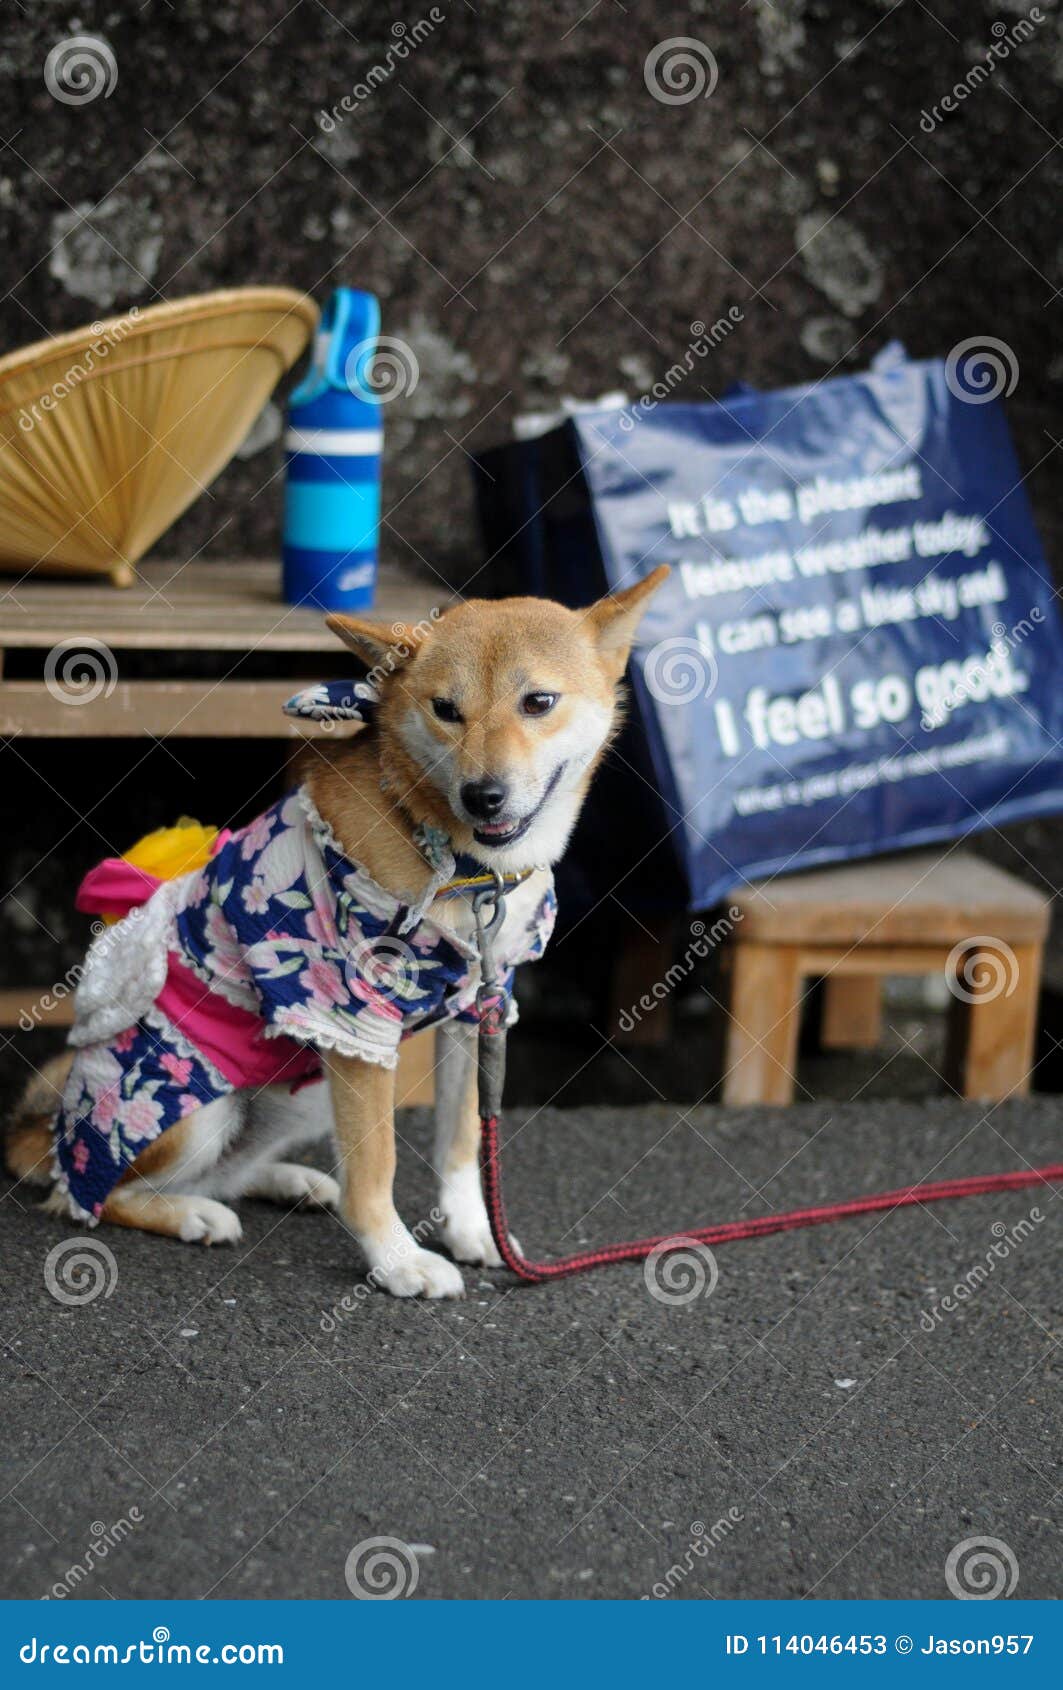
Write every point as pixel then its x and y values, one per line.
pixel 495 895
pixel 489 1000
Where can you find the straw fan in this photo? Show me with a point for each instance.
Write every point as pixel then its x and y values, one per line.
pixel 107 434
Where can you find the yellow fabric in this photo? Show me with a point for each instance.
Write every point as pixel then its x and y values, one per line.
pixel 171 851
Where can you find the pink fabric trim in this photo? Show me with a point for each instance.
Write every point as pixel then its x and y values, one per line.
pixel 229 1037
pixel 232 1038
pixel 114 887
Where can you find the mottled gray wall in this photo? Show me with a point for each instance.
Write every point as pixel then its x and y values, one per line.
pixel 533 219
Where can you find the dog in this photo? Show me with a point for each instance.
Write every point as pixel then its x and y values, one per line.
pixel 325 930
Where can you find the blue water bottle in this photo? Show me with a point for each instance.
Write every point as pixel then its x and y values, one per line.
pixel 333 444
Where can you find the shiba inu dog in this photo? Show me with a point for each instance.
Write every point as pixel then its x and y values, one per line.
pixel 202 1015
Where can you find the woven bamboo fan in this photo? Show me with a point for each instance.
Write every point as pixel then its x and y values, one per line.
pixel 108 434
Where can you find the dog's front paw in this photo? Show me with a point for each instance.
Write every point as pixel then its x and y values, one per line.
pixel 465 1229
pixel 205 1221
pixel 417 1273
pixel 467 1235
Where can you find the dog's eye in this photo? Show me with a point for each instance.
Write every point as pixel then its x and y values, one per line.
pixel 538 703
pixel 446 710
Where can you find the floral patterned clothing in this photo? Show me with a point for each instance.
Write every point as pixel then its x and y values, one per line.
pixel 240 973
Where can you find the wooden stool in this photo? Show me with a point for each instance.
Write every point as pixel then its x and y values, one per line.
pixel 956 915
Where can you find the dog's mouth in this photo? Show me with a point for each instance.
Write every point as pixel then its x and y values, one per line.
pixel 507 833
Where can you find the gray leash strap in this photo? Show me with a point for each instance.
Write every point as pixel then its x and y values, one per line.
pixel 492 1000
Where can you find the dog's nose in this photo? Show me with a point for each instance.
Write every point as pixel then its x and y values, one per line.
pixel 484 798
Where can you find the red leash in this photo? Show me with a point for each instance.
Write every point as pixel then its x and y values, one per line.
pixel 492 1003
pixel 728 1232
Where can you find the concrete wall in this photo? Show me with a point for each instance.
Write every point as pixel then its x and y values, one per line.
pixel 534 220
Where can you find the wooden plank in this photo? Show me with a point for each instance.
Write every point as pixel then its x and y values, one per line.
pixel 991 1037
pixel 221 629
pixel 852 1012
pixel 873 960
pixel 39 1005
pixel 760 1056
pixel 199 606
pixel 920 898
pixel 169 709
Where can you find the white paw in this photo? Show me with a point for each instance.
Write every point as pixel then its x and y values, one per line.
pixel 291 1182
pixel 417 1273
pixel 467 1235
pixel 466 1230
pixel 204 1221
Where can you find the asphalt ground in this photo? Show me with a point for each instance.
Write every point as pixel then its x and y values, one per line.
pixel 814 1425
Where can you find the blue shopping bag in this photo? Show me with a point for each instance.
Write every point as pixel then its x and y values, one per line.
pixel 859 647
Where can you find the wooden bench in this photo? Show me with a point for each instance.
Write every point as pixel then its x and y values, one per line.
pixel 228 608
pixel 951 914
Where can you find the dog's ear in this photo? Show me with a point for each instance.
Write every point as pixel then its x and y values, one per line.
pixel 378 645
pixel 613 620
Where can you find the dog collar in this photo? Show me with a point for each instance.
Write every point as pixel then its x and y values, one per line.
pixel 464 873
pixel 471 876
pixel 460 872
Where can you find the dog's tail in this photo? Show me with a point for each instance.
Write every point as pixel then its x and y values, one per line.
pixel 28 1145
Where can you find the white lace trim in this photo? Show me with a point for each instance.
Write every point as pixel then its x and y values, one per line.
pixel 413 912
pixel 241 997
pixel 125 970
pixel 319 827
pixel 323 1034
